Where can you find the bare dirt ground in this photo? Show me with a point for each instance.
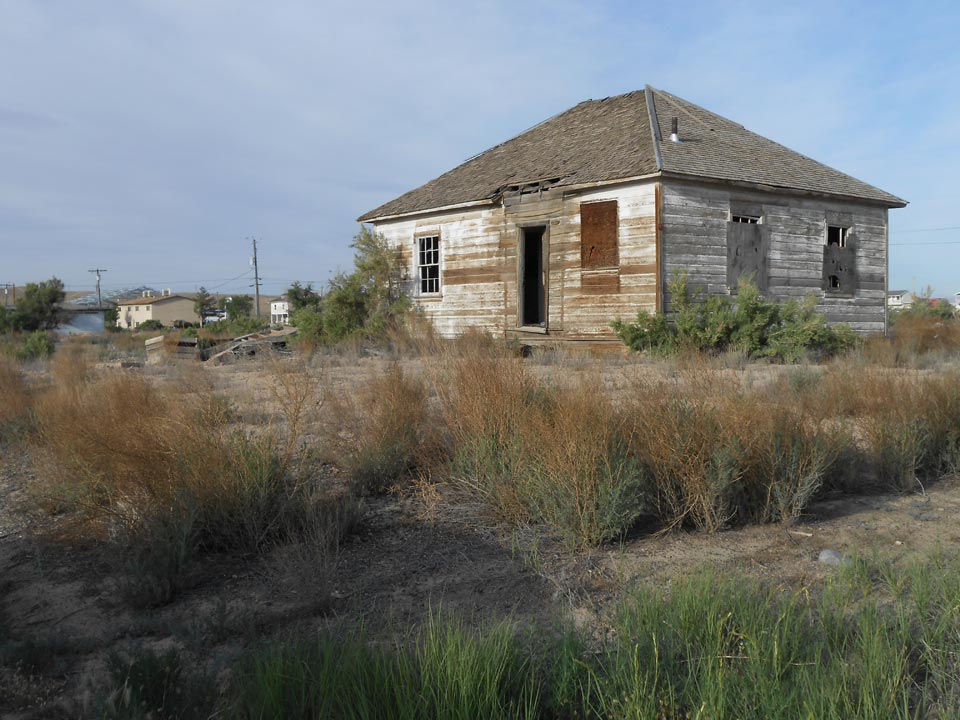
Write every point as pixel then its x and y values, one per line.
pixel 410 552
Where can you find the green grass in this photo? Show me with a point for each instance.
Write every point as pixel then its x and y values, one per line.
pixel 877 641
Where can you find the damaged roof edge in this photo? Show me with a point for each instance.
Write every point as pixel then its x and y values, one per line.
pixel 368 218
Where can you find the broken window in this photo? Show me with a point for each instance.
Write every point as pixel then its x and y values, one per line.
pixel 836 235
pixel 839 261
pixel 599 224
pixel 745 219
pixel 428 262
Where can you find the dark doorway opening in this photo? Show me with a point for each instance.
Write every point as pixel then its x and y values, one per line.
pixel 533 297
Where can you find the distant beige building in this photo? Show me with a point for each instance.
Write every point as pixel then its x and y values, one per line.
pixel 166 308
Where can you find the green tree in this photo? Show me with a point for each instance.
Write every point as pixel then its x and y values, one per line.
pixel 301 296
pixel 239 306
pixel 39 307
pixel 203 301
pixel 369 299
pixel 110 317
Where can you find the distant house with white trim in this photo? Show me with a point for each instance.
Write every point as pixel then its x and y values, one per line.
pixel 280 311
pixel 899 299
pixel 165 308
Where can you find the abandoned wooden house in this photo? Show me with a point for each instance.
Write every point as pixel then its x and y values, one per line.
pixel 585 218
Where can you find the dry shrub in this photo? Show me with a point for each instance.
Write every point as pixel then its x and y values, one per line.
pixel 910 424
pixel 717 453
pixel 693 457
pixel 382 431
pixel 538 453
pixel 484 393
pixel 917 334
pixel 298 391
pixel 161 473
pixel 578 470
pixel 16 404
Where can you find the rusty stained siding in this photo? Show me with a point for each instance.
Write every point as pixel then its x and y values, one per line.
pixel 593 298
pixel 694 238
pixel 479 264
pixel 471 267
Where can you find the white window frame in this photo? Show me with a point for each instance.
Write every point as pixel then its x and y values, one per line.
pixel 844 231
pixel 746 219
pixel 427 259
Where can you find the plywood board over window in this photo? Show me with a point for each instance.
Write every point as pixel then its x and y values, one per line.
pixel 748 245
pixel 599 223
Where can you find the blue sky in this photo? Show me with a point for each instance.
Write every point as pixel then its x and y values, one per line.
pixel 154 137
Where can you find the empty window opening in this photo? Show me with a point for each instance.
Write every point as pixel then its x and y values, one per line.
pixel 836 235
pixel 748 219
pixel 533 297
pixel 834 282
pixel 429 264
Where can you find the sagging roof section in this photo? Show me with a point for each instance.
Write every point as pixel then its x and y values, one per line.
pixel 627 136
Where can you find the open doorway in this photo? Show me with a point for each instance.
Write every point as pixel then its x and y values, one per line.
pixel 533 296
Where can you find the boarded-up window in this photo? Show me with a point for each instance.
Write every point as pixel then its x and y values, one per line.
pixel 598 235
pixel 747 250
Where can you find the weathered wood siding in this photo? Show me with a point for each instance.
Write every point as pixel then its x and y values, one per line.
pixel 479 263
pixel 694 238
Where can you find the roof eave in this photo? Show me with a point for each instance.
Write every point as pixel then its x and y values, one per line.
pixel 371 218
pixel 893 202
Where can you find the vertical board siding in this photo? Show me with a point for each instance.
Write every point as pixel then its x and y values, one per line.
pixel 694 238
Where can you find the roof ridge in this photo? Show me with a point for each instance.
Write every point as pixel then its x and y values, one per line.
pixel 654 121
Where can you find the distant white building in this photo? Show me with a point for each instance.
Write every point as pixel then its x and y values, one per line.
pixel 280 311
pixel 897 299
pixel 956 301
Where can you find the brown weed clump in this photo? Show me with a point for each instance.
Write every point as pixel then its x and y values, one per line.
pixel 382 431
pixel 720 454
pixel 17 397
pixel 163 474
pixel 537 453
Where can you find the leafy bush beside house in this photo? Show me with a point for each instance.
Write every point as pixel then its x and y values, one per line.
pixel 364 303
pixel 785 331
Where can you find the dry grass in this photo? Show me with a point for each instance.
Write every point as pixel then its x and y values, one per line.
pixel 162 472
pixel 16 395
pixel 382 432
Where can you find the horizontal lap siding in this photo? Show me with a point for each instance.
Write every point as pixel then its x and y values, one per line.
pixel 694 222
pixel 471 268
pixel 479 263
pixel 583 308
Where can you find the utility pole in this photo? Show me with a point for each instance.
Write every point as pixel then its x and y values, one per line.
pixel 6 293
pixel 256 278
pixel 99 299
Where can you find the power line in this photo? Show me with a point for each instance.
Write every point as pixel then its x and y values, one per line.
pixel 939 229
pixel 930 242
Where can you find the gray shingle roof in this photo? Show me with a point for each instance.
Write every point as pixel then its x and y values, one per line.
pixel 612 139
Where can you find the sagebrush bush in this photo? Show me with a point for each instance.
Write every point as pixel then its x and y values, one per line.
pixel 785 331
